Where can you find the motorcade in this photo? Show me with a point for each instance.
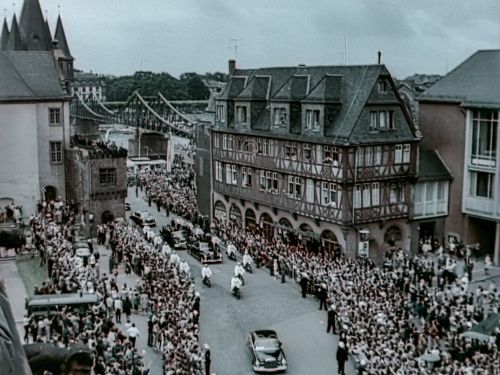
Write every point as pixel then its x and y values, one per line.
pixel 51 304
pixel 266 351
pixel 204 252
pixel 143 218
pixel 81 249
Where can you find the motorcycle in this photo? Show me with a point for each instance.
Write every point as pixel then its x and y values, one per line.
pixel 237 292
pixel 242 279
pixel 206 281
pixel 231 256
pixel 248 267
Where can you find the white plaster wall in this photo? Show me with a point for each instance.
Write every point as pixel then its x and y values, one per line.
pixel 52 174
pixel 19 178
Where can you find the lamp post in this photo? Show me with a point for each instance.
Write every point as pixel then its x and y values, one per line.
pixel 364 249
pixel 91 224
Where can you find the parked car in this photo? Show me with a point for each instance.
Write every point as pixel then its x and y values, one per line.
pixel 179 239
pixel 143 218
pixel 266 351
pixel 204 252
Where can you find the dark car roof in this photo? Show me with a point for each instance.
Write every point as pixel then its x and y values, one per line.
pixel 265 333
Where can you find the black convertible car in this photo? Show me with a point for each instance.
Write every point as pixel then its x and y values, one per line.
pixel 204 252
pixel 266 351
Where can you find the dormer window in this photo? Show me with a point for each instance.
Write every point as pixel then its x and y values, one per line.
pixel 312 119
pixel 382 120
pixel 221 113
pixel 382 86
pixel 280 117
pixel 241 114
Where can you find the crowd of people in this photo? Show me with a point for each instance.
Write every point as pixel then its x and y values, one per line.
pixel 165 294
pixel 396 318
pixel 391 318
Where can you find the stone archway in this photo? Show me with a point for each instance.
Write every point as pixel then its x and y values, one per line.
pixel 266 223
pixel 329 241
pixel 235 215
pixel 393 235
pixel 50 193
pixel 220 211
pixel 250 220
pixel 107 217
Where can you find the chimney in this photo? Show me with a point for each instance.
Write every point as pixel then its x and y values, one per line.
pixel 379 57
pixel 232 66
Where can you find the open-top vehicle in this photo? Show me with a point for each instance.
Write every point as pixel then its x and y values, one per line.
pixel 204 252
pixel 143 218
pixel 266 351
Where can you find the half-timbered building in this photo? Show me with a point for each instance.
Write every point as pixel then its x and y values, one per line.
pixel 326 153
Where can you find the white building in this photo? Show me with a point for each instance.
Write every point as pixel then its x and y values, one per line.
pixel 34 112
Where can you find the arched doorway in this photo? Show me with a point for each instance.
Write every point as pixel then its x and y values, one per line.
pixel 307 238
pixel 220 212
pixel 393 235
pixel 50 193
pixel 6 213
pixel 266 223
pixel 250 221
pixel 285 228
pixel 235 215
pixel 107 217
pixel 329 241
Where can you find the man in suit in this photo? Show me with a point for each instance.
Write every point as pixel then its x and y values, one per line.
pixel 341 357
pixel 332 318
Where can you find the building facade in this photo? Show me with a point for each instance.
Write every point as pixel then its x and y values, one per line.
pixel 34 111
pixel 97 178
pixel 89 84
pixel 325 154
pixel 459 118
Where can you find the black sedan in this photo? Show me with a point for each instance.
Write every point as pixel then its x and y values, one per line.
pixel 143 218
pixel 266 351
pixel 204 253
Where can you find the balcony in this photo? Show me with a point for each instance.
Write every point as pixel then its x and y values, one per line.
pixel 281 201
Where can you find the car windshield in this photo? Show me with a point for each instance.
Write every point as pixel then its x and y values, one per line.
pixel 266 345
pixel 204 246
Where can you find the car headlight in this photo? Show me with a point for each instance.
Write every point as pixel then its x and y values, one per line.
pixel 283 361
pixel 257 362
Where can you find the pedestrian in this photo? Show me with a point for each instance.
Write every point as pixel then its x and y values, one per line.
pixel 470 267
pixel 158 205
pixel 136 191
pixel 118 305
pixel 303 284
pixel 133 334
pixel 332 318
pixel 150 331
pixel 208 359
pixel 127 307
pixel 111 264
pixel 341 357
pixel 323 294
pixel 487 265
pixel 149 200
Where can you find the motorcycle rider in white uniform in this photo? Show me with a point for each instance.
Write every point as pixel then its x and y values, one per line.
pixel 231 250
pixel 235 283
pixel 206 272
pixel 247 259
pixel 239 270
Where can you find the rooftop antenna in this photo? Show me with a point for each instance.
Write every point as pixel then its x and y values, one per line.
pixel 235 42
pixel 345 47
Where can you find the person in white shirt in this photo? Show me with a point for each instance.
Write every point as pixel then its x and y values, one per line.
pixel 133 334
pixel 184 267
pixel 174 258
pixel 247 259
pixel 231 250
pixel 238 270
pixel 166 250
pixel 206 272
pixel 235 283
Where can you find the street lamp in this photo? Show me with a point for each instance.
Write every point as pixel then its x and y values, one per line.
pixel 364 249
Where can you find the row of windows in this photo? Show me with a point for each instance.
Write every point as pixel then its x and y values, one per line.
pixel 379 120
pixel 365 195
pixel 366 156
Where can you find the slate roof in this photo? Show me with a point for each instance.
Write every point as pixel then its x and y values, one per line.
pixel 349 86
pixel 4 39
pixel 295 88
pixel 29 75
pixel 475 82
pixel 432 167
pixel 257 88
pixel 62 42
pixel 35 34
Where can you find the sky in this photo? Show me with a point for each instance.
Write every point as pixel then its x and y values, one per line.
pixel 122 36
